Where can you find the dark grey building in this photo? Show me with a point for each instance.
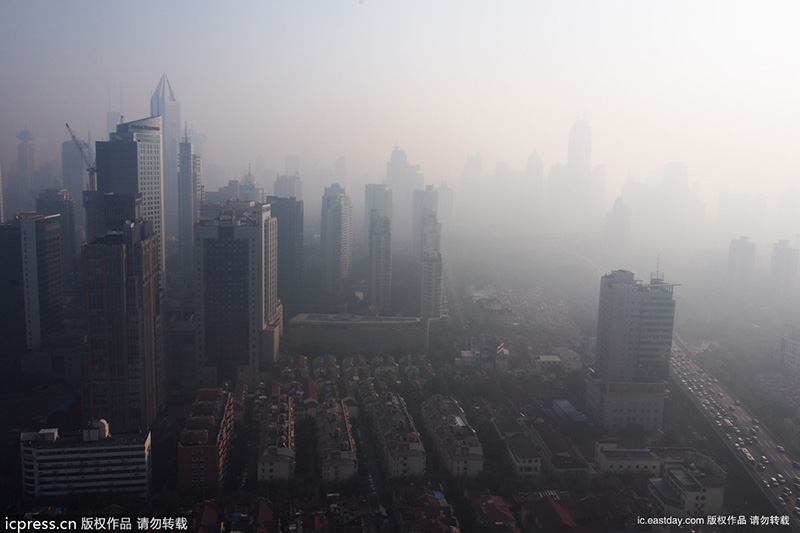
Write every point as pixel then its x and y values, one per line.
pixel 289 213
pixel 59 201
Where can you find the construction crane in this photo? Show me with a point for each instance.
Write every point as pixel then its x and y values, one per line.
pixel 91 168
pixel 89 195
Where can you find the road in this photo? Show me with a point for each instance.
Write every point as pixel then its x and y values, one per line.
pixel 742 431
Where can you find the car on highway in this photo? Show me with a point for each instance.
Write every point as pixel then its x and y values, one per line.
pixel 781 449
pixel 773 482
pixel 764 460
pixel 781 479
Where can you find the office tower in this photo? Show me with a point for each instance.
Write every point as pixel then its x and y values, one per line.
pixel 130 163
pixel 239 317
pixel 741 262
pixel 59 201
pixel 26 164
pixel 164 104
pixel 431 286
pixel 289 186
pixel 403 179
pixel 73 174
pixel 289 214
pixel 337 239
pixel 783 267
pixel 124 327
pixel 189 182
pixel 380 265
pixel 634 343
pixel 377 203
pixel 31 301
pixel 292 163
pixel 424 202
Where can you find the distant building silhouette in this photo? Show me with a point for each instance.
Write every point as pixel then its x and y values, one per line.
pixel 31 297
pixel 444 203
pixel 403 179
pixel 74 177
pixel 377 203
pixel 289 186
pixel 634 345
pixel 336 239
pixel 26 162
pixel 292 165
pixel 239 316
pixel 741 262
pixel 431 291
pixel 783 267
pixel 424 202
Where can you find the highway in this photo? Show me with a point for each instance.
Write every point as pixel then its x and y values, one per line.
pixel 741 430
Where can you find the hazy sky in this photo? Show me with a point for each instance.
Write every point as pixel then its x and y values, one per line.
pixel 713 84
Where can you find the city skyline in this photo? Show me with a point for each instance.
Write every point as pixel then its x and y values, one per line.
pixel 657 83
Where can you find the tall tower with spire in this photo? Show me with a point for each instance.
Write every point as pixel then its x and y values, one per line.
pixel 164 104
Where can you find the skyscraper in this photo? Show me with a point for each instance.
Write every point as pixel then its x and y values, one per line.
pixel 239 316
pixel 189 182
pixel 424 202
pixel 337 239
pixel 403 179
pixel 59 201
pixel 31 298
pixel 380 265
pixel 634 345
pixel 73 175
pixel 289 214
pixel 26 164
pixel 377 203
pixel 164 104
pixel 783 267
pixel 130 162
pixel 122 301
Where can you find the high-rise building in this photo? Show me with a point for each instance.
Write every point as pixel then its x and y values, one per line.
pixel 634 344
pixel 26 163
pixel 189 183
pixel 59 201
pixel 425 202
pixel 289 214
pixel 289 186
pixel 431 287
pixel 336 238
pixel 239 316
pixel 125 382
pixel 377 203
pixel 403 179
pixel 31 299
pixel 380 264
pixel 130 162
pixel 249 191
pixel 73 175
pixel 164 104
pixel 783 267
pixel 741 262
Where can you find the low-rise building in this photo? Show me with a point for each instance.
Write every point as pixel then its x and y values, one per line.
pixel 204 441
pixel 695 487
pixel 455 440
pixel 347 330
pixel 610 457
pixel 273 413
pixel 335 444
pixel 84 462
